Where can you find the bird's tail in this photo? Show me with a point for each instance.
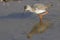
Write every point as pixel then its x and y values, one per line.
pixel 49 5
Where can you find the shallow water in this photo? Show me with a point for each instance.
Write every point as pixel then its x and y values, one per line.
pixel 16 26
pixel 39 28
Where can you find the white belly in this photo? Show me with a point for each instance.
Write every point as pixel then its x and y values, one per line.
pixel 39 11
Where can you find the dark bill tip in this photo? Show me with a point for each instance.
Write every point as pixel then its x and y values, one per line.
pixel 25 7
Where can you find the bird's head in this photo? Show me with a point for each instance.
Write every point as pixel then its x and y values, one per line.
pixel 27 8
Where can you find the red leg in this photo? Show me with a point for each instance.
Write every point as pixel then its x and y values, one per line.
pixel 41 16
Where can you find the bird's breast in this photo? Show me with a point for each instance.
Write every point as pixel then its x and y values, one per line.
pixel 39 11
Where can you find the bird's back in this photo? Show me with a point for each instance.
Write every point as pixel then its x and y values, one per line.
pixel 39 6
pixel 42 6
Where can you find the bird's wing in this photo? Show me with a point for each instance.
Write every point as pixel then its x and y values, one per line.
pixel 39 6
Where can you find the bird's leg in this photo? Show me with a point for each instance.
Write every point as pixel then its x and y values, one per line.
pixel 41 16
pixel 41 19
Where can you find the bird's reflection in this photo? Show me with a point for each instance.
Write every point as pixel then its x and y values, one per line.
pixel 38 28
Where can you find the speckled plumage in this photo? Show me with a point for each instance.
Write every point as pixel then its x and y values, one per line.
pixel 37 8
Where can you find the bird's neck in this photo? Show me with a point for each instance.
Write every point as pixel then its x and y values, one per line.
pixel 31 9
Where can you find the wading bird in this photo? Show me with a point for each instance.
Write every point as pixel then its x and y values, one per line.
pixel 39 9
